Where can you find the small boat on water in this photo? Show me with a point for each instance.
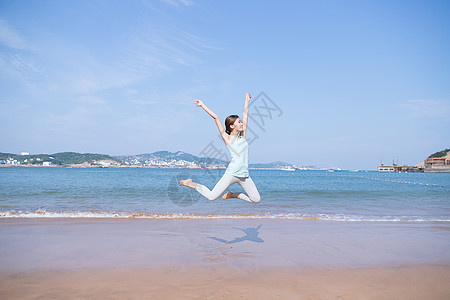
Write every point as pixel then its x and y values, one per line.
pixel 288 169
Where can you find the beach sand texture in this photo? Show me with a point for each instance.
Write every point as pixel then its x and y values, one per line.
pixel 222 259
pixel 403 282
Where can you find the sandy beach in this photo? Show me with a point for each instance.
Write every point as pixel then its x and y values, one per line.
pixel 401 282
pixel 222 259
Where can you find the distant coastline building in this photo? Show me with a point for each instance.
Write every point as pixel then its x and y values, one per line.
pixel 393 168
pixel 396 168
pixel 24 153
pixel 438 162
pixel 383 168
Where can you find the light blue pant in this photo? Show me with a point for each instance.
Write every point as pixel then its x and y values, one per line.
pixel 224 183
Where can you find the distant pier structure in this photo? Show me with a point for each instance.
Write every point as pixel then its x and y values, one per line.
pixel 438 162
pixel 397 168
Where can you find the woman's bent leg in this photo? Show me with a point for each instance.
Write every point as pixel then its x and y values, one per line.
pixel 250 188
pixel 220 187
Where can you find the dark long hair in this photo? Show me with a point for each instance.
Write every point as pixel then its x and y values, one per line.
pixel 230 121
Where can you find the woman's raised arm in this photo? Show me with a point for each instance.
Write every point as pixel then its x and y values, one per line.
pixel 226 138
pixel 245 114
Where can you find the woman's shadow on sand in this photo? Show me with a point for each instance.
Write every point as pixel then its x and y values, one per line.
pixel 251 234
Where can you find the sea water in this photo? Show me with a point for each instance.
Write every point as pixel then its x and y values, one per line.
pixel 155 193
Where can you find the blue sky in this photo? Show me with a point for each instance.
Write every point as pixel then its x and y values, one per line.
pixel 356 81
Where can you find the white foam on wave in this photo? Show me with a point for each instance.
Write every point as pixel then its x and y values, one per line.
pixel 42 213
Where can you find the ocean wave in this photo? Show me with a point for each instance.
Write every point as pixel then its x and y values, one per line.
pixel 42 213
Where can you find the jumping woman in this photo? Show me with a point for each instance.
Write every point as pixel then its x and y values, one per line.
pixel 237 170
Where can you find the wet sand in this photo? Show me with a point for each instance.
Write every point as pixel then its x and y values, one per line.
pixel 222 259
pixel 402 282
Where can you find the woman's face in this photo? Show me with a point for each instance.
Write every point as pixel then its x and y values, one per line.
pixel 238 125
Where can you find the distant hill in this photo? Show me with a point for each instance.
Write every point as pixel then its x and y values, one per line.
pixel 272 165
pixel 180 158
pixel 62 158
pixel 439 154
pixel 166 158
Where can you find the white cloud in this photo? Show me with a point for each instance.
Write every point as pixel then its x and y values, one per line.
pixel 80 85
pixel 10 37
pixel 428 108
pixel 58 67
pixel 19 66
pixel 158 45
pixel 26 67
pixel 179 2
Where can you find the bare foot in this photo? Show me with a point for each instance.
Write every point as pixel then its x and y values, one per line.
pixel 228 195
pixel 186 182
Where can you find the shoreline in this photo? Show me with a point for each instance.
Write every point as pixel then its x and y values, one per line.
pixel 42 214
pixel 156 167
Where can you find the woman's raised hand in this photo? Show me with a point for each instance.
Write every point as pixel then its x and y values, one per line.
pixel 198 102
pixel 247 96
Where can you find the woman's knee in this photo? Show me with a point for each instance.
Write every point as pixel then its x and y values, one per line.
pixel 212 197
pixel 256 199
